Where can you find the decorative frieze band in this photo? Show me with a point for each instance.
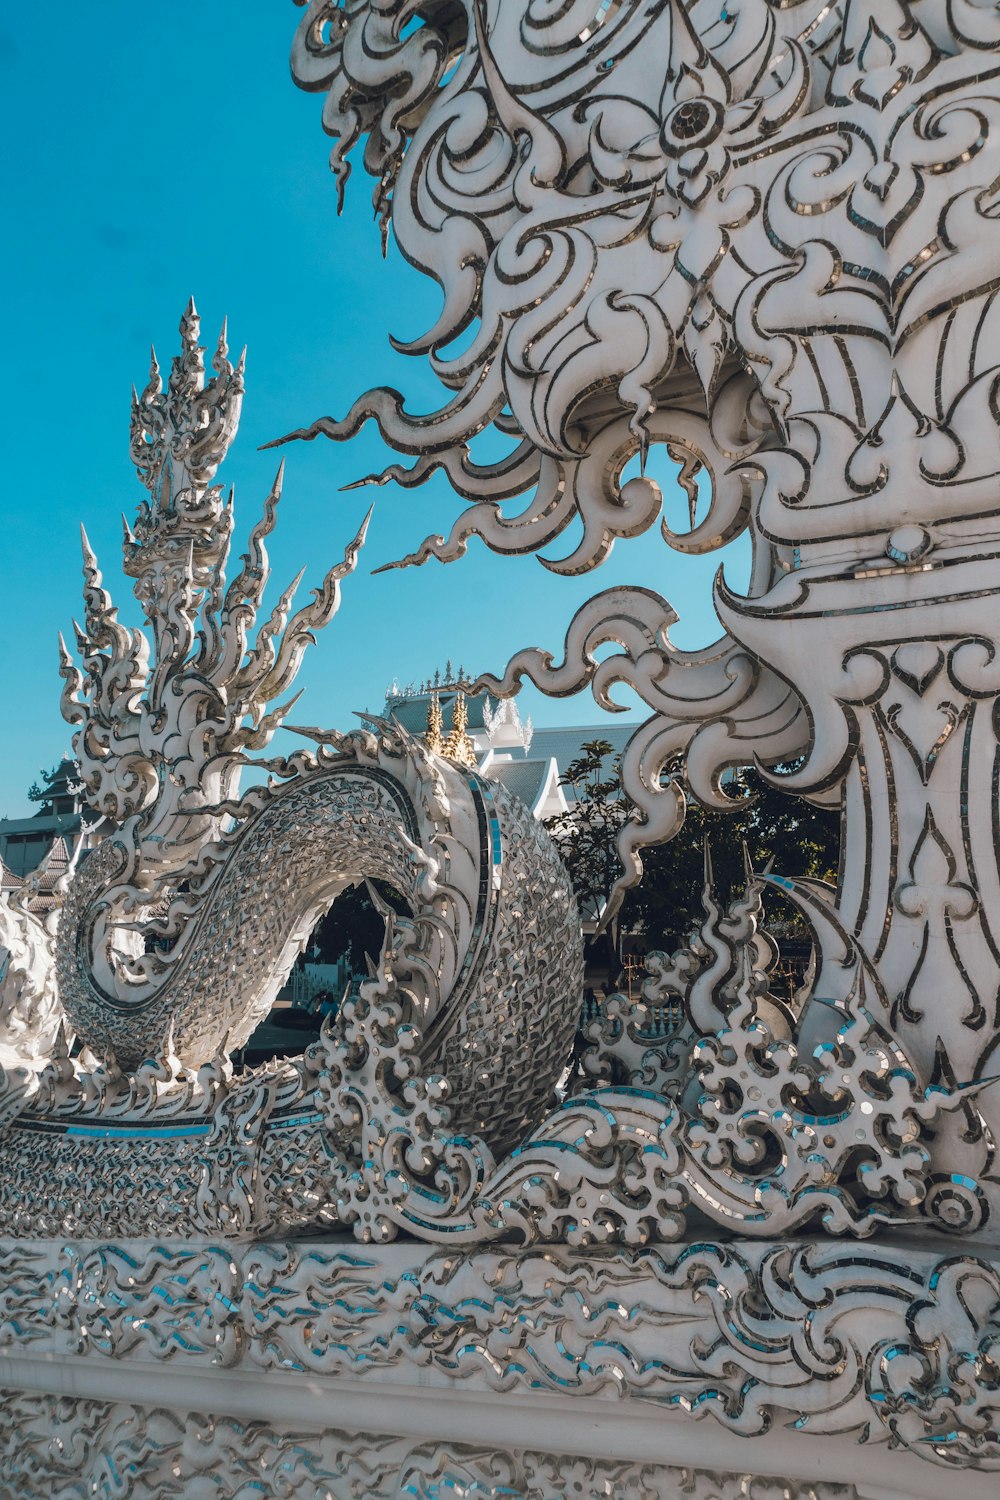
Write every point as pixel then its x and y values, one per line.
pixel 71 1450
pixel 888 1343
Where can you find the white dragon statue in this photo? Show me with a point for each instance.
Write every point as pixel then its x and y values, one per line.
pixel 763 252
pixel 180 921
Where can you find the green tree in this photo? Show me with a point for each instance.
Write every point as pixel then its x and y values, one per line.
pixel 799 838
pixel 587 837
pixel 354 927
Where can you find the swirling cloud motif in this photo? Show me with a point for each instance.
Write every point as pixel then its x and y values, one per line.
pixel 764 251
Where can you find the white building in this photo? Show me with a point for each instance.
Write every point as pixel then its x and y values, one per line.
pixel 528 761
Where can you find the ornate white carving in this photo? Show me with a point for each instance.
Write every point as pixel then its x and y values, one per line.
pixel 198 1455
pixel 171 946
pixel 891 1344
pixel 761 238
pixel 30 1014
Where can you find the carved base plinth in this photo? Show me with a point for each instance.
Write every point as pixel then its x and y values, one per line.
pixel 823 1369
pixel 63 1449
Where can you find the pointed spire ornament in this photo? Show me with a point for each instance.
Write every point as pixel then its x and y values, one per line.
pixel 434 736
pixel 180 435
pixel 458 746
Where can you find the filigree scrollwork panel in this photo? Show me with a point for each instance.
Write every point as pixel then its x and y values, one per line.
pixel 893 1344
pixel 166 1452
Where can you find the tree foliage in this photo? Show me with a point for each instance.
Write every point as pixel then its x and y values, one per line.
pixel 587 836
pixel 354 927
pixel 795 837
pixel 799 838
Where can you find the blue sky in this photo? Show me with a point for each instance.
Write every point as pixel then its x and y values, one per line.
pixel 154 152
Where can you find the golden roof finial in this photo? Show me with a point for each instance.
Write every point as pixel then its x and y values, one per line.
pixel 460 714
pixel 458 746
pixel 434 738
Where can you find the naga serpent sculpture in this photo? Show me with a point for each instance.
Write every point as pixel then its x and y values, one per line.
pixel 171 944
pixel 179 925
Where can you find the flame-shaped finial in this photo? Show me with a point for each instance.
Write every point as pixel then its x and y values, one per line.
pixel 181 434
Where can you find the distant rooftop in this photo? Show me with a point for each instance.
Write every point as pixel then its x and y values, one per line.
pixel 497 727
pixel 524 778
pixel 25 842
pixel 411 710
